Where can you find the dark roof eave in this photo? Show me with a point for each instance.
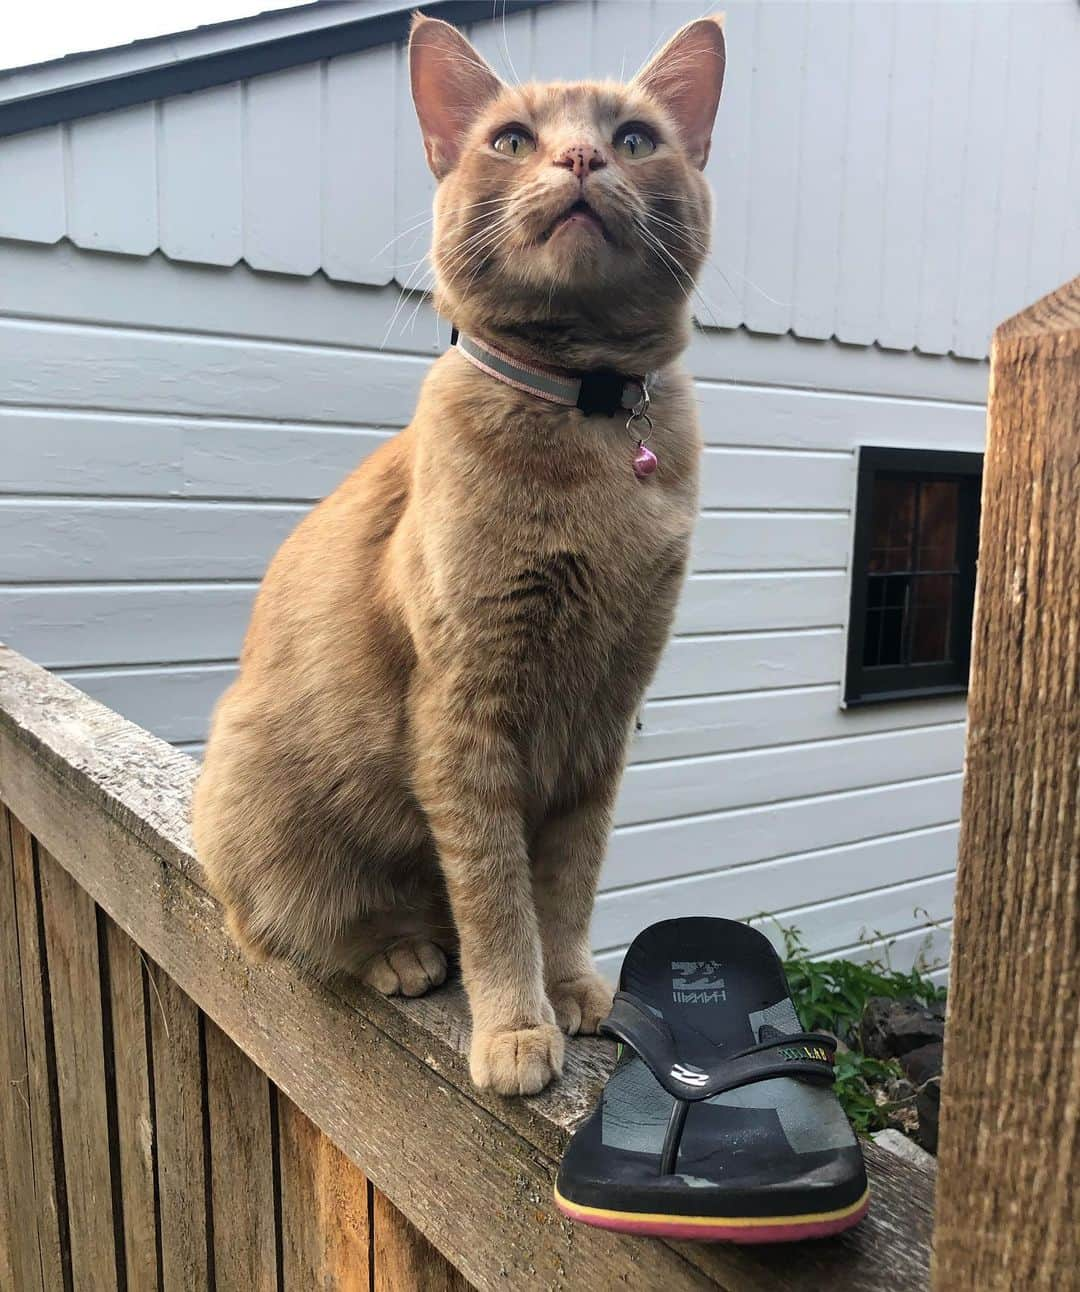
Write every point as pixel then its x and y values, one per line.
pixel 222 67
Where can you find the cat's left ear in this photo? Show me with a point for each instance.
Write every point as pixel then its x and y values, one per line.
pixel 686 78
pixel 451 84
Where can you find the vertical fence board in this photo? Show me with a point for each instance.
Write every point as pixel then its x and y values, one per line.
pixel 326 1229
pixel 134 1119
pixel 241 1163
pixel 178 1106
pixel 20 1265
pixel 1010 1108
pixel 71 940
pixel 48 1183
pixel 404 1259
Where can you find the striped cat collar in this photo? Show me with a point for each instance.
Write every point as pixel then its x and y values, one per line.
pixel 603 390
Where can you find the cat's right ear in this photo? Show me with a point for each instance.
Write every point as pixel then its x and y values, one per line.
pixel 451 84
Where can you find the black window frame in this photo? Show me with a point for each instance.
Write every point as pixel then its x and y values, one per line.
pixel 865 684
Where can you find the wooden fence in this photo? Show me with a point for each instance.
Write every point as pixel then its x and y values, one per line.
pixel 176 1118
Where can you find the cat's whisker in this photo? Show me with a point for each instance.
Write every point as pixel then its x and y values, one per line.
pixel 406 291
pixel 506 45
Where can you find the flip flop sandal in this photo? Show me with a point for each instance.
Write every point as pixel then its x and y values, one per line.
pixel 719 1121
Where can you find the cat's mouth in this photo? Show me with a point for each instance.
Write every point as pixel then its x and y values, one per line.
pixel 579 215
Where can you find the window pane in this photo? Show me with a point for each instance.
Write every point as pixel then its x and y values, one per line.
pixel 892 524
pixel 931 613
pixel 938 509
pixel 887 602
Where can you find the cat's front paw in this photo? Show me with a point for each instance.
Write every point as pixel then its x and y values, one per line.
pixel 518 1062
pixel 408 968
pixel 580 1003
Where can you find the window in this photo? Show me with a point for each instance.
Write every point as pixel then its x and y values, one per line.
pixel 913 573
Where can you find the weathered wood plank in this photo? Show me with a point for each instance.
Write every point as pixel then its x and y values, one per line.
pixel 50 1196
pixel 1011 1091
pixel 325 1222
pixel 179 1110
pixel 383 1079
pixel 241 1168
pixel 71 938
pixel 20 1263
pixel 404 1259
pixel 134 1111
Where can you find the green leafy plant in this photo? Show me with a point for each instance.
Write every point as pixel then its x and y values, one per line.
pixel 830 996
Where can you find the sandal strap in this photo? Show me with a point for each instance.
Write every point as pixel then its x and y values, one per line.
pixel 807 1056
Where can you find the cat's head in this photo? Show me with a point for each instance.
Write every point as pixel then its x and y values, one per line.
pixel 571 219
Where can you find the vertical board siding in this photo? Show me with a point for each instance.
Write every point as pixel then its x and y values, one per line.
pixel 950 135
pixel 823 160
pixel 731 161
pixel 113 207
pixel 884 172
pixel 282 171
pixel 32 167
pixel 773 198
pixel 984 179
pixel 358 167
pixel 903 230
pixel 200 180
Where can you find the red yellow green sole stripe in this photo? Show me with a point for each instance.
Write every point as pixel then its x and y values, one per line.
pixel 723 1229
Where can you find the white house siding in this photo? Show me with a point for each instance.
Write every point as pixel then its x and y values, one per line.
pixel 875 161
pixel 194 351
pixel 163 426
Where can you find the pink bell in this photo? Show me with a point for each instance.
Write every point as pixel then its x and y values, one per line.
pixel 644 462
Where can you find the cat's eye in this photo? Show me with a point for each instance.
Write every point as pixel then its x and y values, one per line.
pixel 514 142
pixel 634 141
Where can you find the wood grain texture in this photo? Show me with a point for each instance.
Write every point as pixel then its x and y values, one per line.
pixel 20 1262
pixel 383 1079
pixel 325 1223
pixel 71 939
pixel 241 1162
pixel 404 1259
pixel 1011 1093
pixel 186 1251
pixel 128 992
pixel 50 1193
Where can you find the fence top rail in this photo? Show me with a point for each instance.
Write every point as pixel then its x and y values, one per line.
pixel 111 802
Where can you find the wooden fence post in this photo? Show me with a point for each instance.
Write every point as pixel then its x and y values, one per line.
pixel 1008 1212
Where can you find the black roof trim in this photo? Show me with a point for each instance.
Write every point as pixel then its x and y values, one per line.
pixel 201 72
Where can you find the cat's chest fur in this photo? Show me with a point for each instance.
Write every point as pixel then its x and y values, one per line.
pixel 543 565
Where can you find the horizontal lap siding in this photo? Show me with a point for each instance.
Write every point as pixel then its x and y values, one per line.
pixel 150 471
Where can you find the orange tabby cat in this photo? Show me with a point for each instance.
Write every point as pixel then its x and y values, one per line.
pixel 422 750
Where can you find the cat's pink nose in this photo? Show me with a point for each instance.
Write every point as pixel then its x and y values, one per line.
pixel 581 159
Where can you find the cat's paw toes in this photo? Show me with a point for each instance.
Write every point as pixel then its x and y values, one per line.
pixel 408 968
pixel 580 1003
pixel 518 1062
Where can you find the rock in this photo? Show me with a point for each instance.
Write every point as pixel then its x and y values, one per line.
pixel 892 1028
pixel 923 1068
pixel 898 1143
